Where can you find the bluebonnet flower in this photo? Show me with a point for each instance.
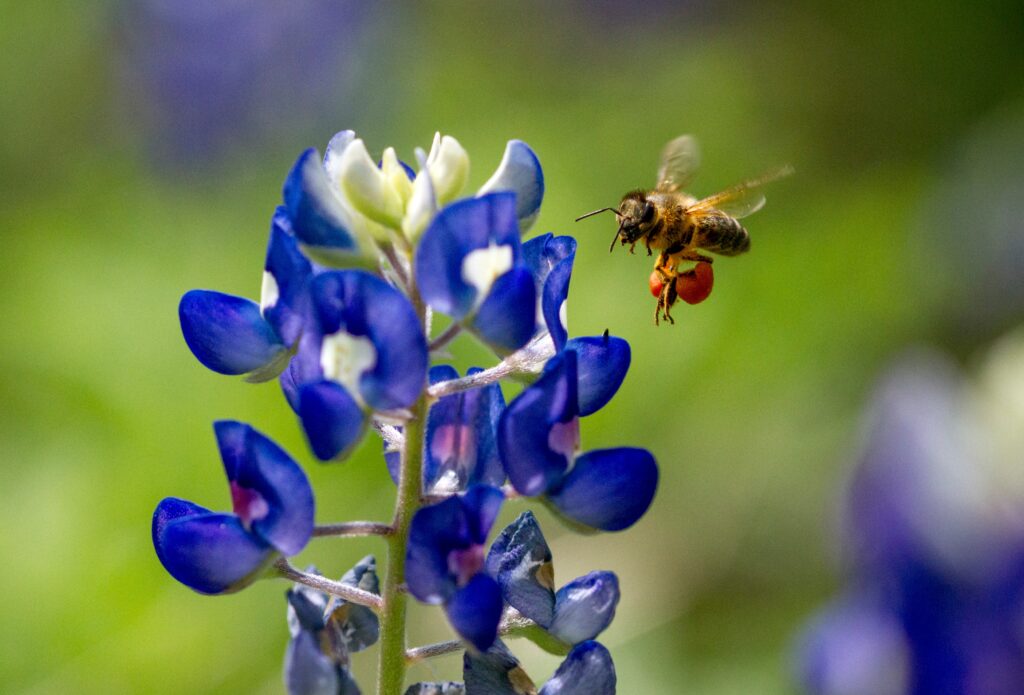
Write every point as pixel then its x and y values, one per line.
pixel 937 597
pixel 233 335
pixel 469 266
pixel 461 441
pixel 520 560
pixel 325 630
pixel 602 361
pixel 365 353
pixel 360 253
pixel 445 559
pixel 538 438
pixel 216 553
pixel 587 670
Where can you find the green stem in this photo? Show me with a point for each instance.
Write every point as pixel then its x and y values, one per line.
pixel 392 664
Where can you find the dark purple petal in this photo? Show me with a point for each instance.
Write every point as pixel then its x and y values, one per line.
pixel 458 229
pixel 435 531
pixel 588 670
pixel 272 494
pixel 210 553
pixel 441 535
pixel 304 366
pixel 536 431
pixel 364 306
pixel 585 607
pixel 316 211
pixel 601 365
pixel 608 489
pixel 507 317
pixel 307 670
pixel 475 611
pixel 461 447
pixel 287 309
pixel 332 420
pixel 520 561
pixel 553 296
pixel 520 173
pixel 228 334
pixel 495 672
pixel 306 608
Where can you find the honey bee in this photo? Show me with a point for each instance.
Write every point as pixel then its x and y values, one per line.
pixel 679 226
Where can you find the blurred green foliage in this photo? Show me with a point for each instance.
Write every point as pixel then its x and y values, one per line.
pixel 750 402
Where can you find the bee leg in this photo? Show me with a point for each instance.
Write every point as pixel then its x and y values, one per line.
pixel 667 297
pixel 647 243
pixel 632 247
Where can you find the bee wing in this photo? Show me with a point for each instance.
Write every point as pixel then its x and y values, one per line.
pixel 679 162
pixel 740 200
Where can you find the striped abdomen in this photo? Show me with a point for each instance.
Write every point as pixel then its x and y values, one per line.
pixel 722 234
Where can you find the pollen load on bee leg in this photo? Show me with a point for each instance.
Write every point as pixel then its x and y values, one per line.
pixel 694 286
pixel 656 283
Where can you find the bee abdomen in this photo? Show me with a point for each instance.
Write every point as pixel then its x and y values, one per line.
pixel 723 235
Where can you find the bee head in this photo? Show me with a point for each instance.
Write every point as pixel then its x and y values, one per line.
pixel 635 213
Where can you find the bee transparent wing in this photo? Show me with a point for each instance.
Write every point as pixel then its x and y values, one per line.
pixel 679 162
pixel 740 200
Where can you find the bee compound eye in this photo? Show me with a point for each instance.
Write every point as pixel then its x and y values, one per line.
pixel 648 213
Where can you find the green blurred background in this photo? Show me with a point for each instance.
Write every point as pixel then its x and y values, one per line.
pixel 142 150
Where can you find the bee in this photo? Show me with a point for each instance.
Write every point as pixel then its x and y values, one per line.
pixel 679 226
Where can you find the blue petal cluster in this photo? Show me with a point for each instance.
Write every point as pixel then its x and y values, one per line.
pixel 360 252
pixel 217 553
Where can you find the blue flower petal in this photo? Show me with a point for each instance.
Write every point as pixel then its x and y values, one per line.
pixel 457 230
pixel 332 155
pixel 608 489
pixel 365 306
pixel 317 213
pixel 228 334
pixel 461 447
pixel 207 552
pixel 457 524
pixel 333 421
pixel 553 296
pixel 585 607
pixel 263 474
pixel 542 253
pixel 306 608
pixel 475 611
pixel 307 670
pixel 482 504
pixel 287 309
pixel 496 672
pixel 435 531
pixel 521 173
pixel 304 366
pixel 541 417
pixel 507 318
pixel 602 363
pixel 520 561
pixel 588 670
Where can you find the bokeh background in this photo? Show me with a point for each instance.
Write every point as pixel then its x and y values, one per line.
pixel 142 149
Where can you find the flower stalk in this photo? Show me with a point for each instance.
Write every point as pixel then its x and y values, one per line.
pixel 392 663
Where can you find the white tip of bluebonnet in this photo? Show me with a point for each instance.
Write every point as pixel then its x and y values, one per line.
pixel 367 187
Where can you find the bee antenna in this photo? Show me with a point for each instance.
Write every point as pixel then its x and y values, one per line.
pixel 616 237
pixel 596 212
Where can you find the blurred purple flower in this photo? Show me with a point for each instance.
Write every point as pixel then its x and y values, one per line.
pixel 202 77
pixel 937 604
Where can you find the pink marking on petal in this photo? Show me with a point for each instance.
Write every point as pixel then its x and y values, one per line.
pixel 248 504
pixel 564 438
pixel 453 442
pixel 466 563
